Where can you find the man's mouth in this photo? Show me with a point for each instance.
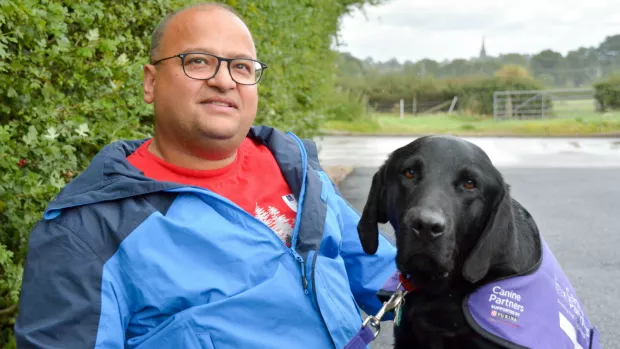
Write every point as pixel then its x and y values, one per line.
pixel 221 104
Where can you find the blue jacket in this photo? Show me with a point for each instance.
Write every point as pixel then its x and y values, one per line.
pixel 123 261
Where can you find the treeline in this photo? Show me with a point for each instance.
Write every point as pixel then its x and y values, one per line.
pixel 382 84
pixel 580 67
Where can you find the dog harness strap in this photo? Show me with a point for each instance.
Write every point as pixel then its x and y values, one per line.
pixel 366 334
pixel 361 339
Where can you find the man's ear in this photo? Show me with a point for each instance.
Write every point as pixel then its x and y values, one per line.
pixel 493 245
pixel 150 72
pixel 373 214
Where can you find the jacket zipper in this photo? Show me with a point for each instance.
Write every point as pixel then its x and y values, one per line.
pixel 302 192
pixel 312 262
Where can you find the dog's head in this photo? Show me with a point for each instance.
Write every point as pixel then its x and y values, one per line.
pixel 449 207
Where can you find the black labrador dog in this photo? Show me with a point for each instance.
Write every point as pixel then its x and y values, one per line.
pixel 456 228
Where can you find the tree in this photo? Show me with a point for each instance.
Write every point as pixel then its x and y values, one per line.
pixel 514 59
pixel 485 67
pixel 582 66
pixel 391 65
pixel 609 54
pixel 546 65
pixel 457 67
pixel 428 67
pixel 513 71
pixel 348 66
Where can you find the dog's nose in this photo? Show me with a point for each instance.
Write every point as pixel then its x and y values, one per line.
pixel 429 224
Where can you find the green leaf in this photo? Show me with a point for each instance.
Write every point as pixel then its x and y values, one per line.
pixel 92 35
pixel 56 181
pixel 3 52
pixel 31 137
pixel 51 134
pixel 85 52
pixel 82 130
pixel 122 59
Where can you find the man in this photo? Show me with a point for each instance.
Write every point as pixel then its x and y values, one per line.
pixel 212 234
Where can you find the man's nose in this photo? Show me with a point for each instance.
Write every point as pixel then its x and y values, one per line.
pixel 428 224
pixel 222 79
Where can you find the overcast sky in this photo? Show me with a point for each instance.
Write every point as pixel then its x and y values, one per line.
pixel 448 29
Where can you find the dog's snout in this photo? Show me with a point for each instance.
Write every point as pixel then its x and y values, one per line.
pixel 428 224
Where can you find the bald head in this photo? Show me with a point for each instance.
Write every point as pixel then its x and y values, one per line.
pixel 158 34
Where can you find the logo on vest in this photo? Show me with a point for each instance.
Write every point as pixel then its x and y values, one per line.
pixel 505 304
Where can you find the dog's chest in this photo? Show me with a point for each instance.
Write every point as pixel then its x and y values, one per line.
pixel 433 322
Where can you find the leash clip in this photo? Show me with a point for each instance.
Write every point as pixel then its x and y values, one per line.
pixel 395 301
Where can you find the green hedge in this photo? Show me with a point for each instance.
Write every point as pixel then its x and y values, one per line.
pixel 71 82
pixel 475 93
pixel 607 93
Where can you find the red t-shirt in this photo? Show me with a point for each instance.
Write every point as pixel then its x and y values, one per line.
pixel 253 181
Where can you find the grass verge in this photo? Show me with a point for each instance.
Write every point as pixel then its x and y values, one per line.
pixel 588 124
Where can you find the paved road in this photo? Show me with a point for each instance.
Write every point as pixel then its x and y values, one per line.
pixel 572 193
pixel 504 151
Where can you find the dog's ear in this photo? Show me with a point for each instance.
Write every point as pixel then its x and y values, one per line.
pixel 494 246
pixel 373 214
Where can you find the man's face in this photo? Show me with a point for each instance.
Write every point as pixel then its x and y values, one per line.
pixel 184 111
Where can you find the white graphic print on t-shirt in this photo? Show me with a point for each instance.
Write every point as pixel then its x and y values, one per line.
pixel 277 221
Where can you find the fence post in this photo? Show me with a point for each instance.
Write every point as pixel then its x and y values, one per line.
pixel 495 105
pixel 415 105
pixel 542 105
pixel 402 109
pixel 456 98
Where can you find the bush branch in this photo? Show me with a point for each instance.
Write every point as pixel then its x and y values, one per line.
pixel 8 310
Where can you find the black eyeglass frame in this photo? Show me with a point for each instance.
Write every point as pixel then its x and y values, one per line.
pixel 219 63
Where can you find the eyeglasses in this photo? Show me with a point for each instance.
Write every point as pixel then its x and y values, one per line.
pixel 204 66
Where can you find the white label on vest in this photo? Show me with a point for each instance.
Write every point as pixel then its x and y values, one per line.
pixel 570 330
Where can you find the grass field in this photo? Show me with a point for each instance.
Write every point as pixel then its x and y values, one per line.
pixel 574 109
pixel 569 123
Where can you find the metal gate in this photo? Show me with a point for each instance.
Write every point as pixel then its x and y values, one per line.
pixel 541 104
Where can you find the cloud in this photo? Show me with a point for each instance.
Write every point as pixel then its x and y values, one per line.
pixel 448 29
pixel 438 21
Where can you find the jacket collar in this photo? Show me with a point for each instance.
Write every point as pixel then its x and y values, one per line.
pixel 110 176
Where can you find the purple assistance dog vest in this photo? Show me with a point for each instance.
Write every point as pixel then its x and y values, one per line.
pixel 538 310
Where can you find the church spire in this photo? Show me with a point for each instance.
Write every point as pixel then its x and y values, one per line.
pixel 483 50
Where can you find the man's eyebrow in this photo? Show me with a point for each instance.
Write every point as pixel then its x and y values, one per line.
pixel 206 50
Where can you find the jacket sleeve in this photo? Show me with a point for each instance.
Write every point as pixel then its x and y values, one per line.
pixel 367 273
pixel 62 304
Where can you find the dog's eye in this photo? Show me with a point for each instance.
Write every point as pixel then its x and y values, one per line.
pixel 469 184
pixel 409 173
